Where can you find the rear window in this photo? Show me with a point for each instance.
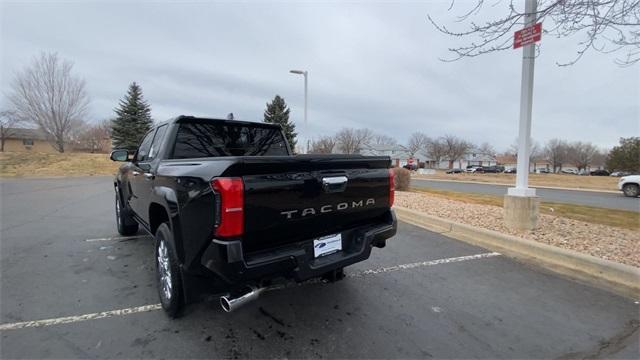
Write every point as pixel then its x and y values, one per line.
pixel 196 140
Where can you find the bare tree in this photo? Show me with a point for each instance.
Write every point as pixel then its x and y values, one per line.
pixel 437 150
pixel 95 137
pixel 47 94
pixel 351 141
pixel 324 145
pixel 600 158
pixel 487 149
pixel 8 121
pixel 535 151
pixel 556 153
pixel 381 139
pixel 602 25
pixel 455 148
pixel 581 154
pixel 418 141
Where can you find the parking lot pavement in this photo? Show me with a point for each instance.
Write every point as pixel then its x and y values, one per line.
pixel 453 300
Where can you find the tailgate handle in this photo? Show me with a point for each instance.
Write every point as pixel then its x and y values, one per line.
pixel 334 184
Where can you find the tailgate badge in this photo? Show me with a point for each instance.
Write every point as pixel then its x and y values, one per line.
pixel 291 214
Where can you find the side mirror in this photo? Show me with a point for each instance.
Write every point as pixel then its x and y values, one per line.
pixel 119 155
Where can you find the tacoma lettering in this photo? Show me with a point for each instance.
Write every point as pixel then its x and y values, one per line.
pixel 328 208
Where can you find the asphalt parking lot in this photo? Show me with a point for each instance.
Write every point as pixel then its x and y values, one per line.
pixel 423 296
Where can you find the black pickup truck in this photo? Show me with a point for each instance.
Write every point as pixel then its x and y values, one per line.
pixel 231 208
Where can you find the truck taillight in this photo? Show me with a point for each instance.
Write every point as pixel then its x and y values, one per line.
pixel 229 195
pixel 392 187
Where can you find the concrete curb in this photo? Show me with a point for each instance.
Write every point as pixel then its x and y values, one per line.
pixel 620 278
pixel 512 185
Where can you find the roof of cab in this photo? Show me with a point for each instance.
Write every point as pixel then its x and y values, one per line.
pixel 184 118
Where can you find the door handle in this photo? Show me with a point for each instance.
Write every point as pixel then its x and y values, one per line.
pixel 135 173
pixel 334 184
pixel 149 176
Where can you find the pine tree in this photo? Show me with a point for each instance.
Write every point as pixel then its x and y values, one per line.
pixel 133 119
pixel 277 112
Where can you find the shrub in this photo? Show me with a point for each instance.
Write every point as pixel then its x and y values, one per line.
pixel 403 178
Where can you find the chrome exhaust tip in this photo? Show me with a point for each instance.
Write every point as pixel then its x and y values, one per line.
pixel 231 302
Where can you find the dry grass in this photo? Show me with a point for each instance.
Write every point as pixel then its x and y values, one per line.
pixel 554 180
pixel 67 164
pixel 610 217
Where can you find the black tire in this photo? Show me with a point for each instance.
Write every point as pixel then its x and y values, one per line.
pixel 631 190
pixel 169 283
pixel 126 223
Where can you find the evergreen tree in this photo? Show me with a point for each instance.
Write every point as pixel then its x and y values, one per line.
pixel 277 112
pixel 626 156
pixel 133 119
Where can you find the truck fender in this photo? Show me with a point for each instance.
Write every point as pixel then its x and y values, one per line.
pixel 166 198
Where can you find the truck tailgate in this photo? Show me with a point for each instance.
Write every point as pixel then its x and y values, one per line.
pixel 318 196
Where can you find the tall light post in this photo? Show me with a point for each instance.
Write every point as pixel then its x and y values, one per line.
pixel 526 98
pixel 521 206
pixel 305 74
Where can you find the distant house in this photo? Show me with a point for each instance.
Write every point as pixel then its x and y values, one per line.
pixel 472 158
pixel 35 140
pixel 25 140
pixel 102 145
pixel 535 165
pixel 399 154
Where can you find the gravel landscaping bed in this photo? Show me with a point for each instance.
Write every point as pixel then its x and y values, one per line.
pixel 606 242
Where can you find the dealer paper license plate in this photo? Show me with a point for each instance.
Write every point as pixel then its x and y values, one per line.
pixel 327 245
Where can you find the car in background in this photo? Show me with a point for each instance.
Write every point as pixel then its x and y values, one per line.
pixel 510 171
pixel 599 173
pixel 474 169
pixel 543 171
pixel 630 185
pixel 454 171
pixel 493 169
pixel 620 173
pixel 569 171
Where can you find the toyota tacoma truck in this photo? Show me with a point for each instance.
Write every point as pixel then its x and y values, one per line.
pixel 234 211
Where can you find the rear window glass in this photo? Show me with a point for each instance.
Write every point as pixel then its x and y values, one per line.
pixel 196 140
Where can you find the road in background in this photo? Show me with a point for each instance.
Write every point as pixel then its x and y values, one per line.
pixel 478 307
pixel 588 198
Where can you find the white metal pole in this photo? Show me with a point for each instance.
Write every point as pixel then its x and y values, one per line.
pixel 306 124
pixel 526 99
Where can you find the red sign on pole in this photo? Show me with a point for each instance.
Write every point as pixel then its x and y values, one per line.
pixel 527 36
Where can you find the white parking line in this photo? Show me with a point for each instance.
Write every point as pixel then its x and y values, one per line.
pixel 123 238
pixel 78 318
pixel 153 307
pixel 424 263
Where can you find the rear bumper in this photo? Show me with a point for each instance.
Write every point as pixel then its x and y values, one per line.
pixel 295 261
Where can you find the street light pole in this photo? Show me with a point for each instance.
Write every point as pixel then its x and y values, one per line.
pixel 306 126
pixel 526 100
pixel 521 206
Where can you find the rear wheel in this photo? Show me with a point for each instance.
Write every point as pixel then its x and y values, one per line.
pixel 126 224
pixel 168 274
pixel 631 190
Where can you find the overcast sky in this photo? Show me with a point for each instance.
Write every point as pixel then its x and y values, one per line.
pixel 370 65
